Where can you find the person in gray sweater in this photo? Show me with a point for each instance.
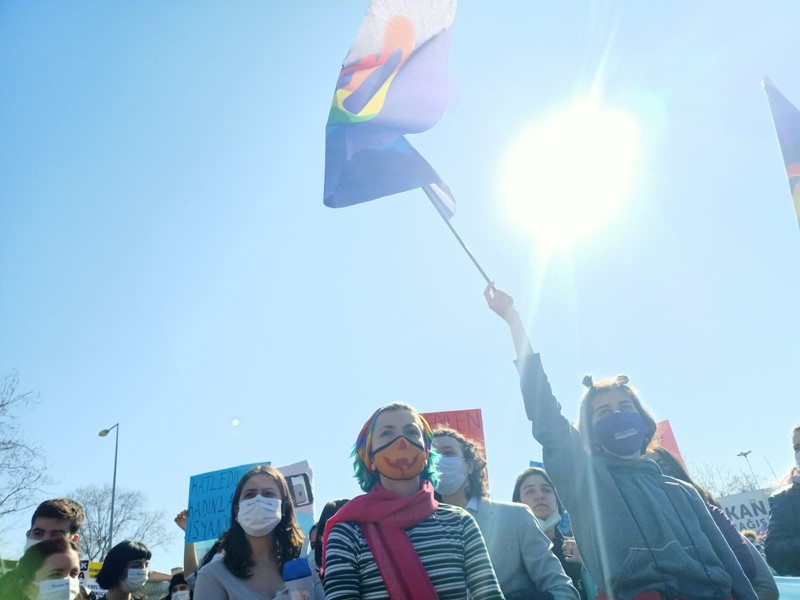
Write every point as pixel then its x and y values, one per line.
pixel 642 535
pixel 520 552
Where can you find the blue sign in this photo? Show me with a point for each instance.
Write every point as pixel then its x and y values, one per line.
pixel 210 496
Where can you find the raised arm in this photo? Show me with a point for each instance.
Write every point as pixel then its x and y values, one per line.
pixel 503 304
pixel 564 456
pixel 189 552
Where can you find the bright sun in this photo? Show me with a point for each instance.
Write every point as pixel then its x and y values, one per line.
pixel 566 176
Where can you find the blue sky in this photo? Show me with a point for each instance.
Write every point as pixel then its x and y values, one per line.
pixel 167 263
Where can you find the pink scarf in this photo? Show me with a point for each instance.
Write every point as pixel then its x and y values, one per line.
pixel 382 516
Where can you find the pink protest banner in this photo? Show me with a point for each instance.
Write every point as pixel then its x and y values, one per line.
pixel 468 422
pixel 667 440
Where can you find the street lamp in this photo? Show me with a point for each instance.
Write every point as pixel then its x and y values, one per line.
pixel 104 433
pixel 744 456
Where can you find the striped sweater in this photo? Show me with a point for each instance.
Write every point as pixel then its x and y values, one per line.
pixel 448 543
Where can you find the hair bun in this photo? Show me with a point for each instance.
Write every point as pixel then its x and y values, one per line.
pixel 622 379
pixel 587 381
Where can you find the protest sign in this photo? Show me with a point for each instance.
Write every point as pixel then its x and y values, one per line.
pixel 749 510
pixel 210 496
pixel 467 422
pixel 210 502
pixel 300 478
pixel 667 440
pixel 87 575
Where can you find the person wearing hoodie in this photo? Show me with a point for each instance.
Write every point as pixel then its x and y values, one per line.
pixel 642 535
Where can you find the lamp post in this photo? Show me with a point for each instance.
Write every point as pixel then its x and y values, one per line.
pixel 744 456
pixel 104 433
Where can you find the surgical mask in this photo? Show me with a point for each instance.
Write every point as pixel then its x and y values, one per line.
pixel 551 521
pixel 134 581
pixel 452 474
pixel 180 595
pixel 58 589
pixel 401 459
pixel 259 516
pixel 797 458
pixel 622 433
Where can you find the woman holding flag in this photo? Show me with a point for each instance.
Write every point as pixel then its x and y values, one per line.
pixel 396 541
pixel 643 536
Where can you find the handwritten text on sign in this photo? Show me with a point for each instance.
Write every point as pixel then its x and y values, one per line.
pixel 210 497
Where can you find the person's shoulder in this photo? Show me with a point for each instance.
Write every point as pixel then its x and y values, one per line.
pixel 346 532
pixel 451 513
pixel 785 492
pixel 498 506
pixel 215 569
pixel 449 509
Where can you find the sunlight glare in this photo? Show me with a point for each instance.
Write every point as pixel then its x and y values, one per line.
pixel 566 176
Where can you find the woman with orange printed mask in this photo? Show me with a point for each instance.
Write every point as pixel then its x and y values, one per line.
pixel 379 543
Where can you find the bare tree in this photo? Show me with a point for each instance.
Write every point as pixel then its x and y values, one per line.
pixel 22 466
pixel 721 481
pixel 132 520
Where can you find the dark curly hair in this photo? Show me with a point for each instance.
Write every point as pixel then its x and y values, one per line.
pixel 477 481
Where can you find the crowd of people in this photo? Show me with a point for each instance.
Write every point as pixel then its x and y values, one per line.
pixel 425 528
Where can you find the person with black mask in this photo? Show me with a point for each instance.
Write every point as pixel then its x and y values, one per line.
pixel 641 534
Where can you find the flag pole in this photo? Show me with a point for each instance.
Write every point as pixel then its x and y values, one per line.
pixel 436 204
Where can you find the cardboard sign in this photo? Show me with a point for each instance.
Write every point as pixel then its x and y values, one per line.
pixel 749 510
pixel 468 422
pixel 210 497
pixel 300 479
pixel 89 570
pixel 667 440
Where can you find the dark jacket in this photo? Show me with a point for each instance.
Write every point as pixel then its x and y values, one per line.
pixel 782 547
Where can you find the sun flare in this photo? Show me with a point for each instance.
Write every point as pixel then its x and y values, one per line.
pixel 566 176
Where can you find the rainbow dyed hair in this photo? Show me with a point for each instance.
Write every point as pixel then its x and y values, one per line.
pixel 363 446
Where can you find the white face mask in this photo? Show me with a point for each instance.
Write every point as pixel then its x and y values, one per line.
pixel 797 458
pixel 549 522
pixel 59 589
pixel 259 516
pixel 452 474
pixel 134 581
pixel 180 595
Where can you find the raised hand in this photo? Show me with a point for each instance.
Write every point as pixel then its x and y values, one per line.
pixel 500 302
pixel 181 518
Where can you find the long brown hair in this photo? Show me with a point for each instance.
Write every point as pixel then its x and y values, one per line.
pixel 287 534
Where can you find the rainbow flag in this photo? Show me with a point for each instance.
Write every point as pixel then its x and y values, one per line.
pixel 787 125
pixel 393 82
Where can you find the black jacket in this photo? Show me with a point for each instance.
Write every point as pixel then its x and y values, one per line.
pixel 782 546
